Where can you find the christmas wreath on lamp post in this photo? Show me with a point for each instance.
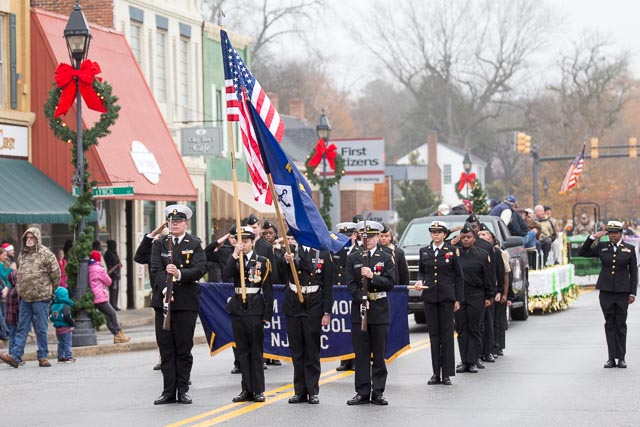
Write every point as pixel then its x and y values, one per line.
pixel 328 155
pixel 80 77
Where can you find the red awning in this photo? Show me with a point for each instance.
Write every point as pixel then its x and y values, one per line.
pixel 119 159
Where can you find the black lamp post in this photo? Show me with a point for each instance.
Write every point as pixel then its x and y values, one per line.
pixel 323 129
pixel 466 164
pixel 545 185
pixel 78 37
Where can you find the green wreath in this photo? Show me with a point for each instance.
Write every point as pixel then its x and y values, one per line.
pixel 325 184
pixel 84 204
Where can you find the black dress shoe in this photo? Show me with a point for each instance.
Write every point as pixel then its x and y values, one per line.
pixel 259 397
pixel 275 362
pixel 378 399
pixel 164 399
pixel 244 396
pixel 358 399
pixel 499 353
pixel 473 369
pixel 446 380
pixel 342 368
pixel 489 358
pixel 314 399
pixel 264 366
pixel 157 367
pixel 434 380
pixel 184 398
pixel 480 365
pixel 298 398
pixel 235 370
pixel 461 368
pixel 610 364
pixel 622 364
pixel 461 365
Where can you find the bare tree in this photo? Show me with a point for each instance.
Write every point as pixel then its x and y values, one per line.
pixel 266 21
pixel 472 51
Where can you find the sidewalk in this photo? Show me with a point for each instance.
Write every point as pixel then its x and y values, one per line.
pixel 138 324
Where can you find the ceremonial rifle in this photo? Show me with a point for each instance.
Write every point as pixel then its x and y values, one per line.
pixel 166 306
pixel 365 282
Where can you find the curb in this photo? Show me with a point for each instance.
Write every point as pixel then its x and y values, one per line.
pixel 103 349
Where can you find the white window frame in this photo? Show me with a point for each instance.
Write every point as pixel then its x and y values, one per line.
pixel 446 174
pixel 161 66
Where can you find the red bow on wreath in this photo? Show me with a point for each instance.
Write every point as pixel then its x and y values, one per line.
pixel 65 80
pixel 466 178
pixel 322 149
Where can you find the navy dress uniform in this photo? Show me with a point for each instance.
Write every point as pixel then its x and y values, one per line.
pixel 175 345
pixel 304 320
pixel 441 277
pixel 618 284
pixel 248 319
pixel 370 345
pixel 478 291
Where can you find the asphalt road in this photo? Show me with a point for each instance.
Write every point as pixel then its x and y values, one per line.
pixel 551 374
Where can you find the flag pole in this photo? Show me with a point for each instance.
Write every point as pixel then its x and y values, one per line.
pixel 236 210
pixel 292 265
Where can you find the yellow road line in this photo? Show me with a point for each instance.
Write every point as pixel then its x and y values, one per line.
pixel 278 394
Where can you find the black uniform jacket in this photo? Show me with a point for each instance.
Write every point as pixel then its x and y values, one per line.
pixel 441 275
pixel 189 257
pixel 314 269
pixel 340 263
pixel 257 274
pixel 619 272
pixel 400 261
pixel 476 265
pixel 384 273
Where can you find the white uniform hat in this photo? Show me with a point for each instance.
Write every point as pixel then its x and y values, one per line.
pixel 178 212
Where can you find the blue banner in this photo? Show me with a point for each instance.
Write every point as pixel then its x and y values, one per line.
pixel 335 341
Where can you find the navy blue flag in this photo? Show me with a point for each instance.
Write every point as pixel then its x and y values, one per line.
pixel 294 194
pixel 335 339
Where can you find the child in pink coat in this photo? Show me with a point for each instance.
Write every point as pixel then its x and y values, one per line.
pixel 98 280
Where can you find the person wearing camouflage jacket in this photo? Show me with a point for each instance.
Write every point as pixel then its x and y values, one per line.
pixel 38 276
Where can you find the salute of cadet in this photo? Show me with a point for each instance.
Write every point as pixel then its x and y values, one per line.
pixel 185 264
pixel 478 293
pixel 618 284
pixel 440 278
pixel 376 267
pixel 397 256
pixel 249 317
pixel 305 320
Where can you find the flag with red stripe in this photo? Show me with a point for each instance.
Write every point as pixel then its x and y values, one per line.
pixel 240 88
pixel 575 170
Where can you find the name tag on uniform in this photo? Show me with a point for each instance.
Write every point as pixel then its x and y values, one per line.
pixel 604 249
pixel 357 265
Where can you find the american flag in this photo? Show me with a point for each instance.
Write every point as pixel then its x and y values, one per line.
pixel 575 170
pixel 241 87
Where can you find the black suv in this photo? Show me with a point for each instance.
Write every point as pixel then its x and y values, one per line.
pixel 416 236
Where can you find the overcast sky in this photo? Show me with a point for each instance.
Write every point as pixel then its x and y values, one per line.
pixel 617 19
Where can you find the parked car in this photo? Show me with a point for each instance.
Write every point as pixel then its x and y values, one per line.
pixel 416 236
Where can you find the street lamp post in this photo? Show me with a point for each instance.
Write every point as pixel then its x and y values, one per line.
pixel 78 37
pixel 323 129
pixel 466 164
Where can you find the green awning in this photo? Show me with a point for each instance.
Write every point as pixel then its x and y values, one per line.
pixel 28 196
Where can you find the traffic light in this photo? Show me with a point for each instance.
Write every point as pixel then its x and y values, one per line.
pixel 633 147
pixel 520 141
pixel 527 144
pixel 594 148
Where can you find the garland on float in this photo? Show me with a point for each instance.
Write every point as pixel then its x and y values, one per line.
pixel 324 184
pixel 84 203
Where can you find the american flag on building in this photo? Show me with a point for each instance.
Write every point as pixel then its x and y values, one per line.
pixel 575 170
pixel 241 87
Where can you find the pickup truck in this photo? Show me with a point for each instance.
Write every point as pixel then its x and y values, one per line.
pixel 416 236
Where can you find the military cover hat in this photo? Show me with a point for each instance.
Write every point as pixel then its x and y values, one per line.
pixel 385 229
pixel 472 218
pixel 370 228
pixel 177 212
pixel 614 226
pixel 483 227
pixel 438 226
pixel 347 227
pixel 252 219
pixel 467 228
pixel 268 224
pixel 232 230
pixel 246 232
pixel 357 218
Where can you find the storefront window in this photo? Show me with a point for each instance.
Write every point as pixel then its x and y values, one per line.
pixel 193 222
pixel 149 218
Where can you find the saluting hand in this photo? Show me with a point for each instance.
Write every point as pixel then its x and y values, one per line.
pixel 599 234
